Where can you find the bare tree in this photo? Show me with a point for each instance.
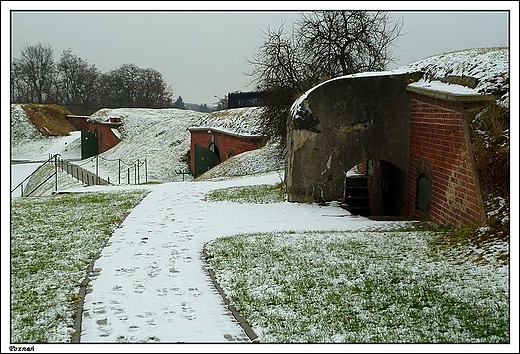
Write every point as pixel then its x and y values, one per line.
pixel 36 70
pixel 35 78
pixel 346 42
pixel 127 81
pixel 152 91
pixel 131 86
pixel 222 102
pixel 278 61
pixel 78 80
pixel 320 46
pixel 279 70
pixel 20 92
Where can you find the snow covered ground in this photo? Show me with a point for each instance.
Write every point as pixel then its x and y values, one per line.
pixel 23 165
pixel 150 283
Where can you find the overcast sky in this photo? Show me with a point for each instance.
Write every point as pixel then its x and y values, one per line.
pixel 202 54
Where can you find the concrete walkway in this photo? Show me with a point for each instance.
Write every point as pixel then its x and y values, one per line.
pixel 151 284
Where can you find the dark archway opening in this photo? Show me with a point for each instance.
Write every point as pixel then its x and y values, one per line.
pixel 392 188
pixel 374 188
pixel 356 197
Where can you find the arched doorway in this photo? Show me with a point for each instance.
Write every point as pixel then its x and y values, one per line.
pixel 374 188
pixel 423 194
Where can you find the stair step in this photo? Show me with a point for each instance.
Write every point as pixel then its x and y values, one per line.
pixel 355 196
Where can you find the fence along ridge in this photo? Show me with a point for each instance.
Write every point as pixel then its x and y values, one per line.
pixel 94 179
pixel 81 174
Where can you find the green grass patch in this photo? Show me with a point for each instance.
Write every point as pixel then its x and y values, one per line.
pixel 360 287
pixel 53 241
pixel 262 193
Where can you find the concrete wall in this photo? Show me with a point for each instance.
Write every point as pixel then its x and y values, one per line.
pixel 341 123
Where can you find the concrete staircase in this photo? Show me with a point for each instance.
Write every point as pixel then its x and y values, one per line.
pixel 356 199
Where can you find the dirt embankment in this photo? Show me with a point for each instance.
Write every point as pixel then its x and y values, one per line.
pixel 49 119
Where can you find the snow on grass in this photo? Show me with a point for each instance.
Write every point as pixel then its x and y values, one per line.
pixel 241 121
pixel 53 240
pixel 153 144
pixel 40 184
pixel 22 130
pixel 264 159
pixel 328 286
pixel 261 193
pixel 359 287
pixel 27 142
pixel 489 65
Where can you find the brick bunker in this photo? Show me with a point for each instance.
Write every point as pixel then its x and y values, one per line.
pixel 383 146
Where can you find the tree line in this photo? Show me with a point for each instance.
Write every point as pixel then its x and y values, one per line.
pixel 320 45
pixel 73 82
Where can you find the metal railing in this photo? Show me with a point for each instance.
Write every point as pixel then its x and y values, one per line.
pixel 87 177
pixel 81 174
pixel 127 170
pixel 55 174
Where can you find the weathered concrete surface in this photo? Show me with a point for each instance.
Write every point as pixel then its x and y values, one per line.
pixel 341 123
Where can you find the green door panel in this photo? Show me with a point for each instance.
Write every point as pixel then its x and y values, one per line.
pixel 205 159
pixel 89 144
pixel 423 195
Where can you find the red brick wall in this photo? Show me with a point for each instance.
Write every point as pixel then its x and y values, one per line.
pixel 79 122
pixel 440 148
pixel 362 167
pixel 106 137
pixel 228 145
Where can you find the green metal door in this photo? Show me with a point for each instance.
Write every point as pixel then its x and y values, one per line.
pixel 89 144
pixel 423 195
pixel 205 159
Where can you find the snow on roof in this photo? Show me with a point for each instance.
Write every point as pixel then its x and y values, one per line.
pixel 244 121
pixel 158 136
pixel 135 121
pixel 444 87
pixel 489 66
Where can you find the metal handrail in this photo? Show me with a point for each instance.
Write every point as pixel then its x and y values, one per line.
pixel 38 186
pixel 26 178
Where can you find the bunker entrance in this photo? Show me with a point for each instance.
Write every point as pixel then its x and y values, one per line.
pixel 205 159
pixel 374 188
pixel 89 144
